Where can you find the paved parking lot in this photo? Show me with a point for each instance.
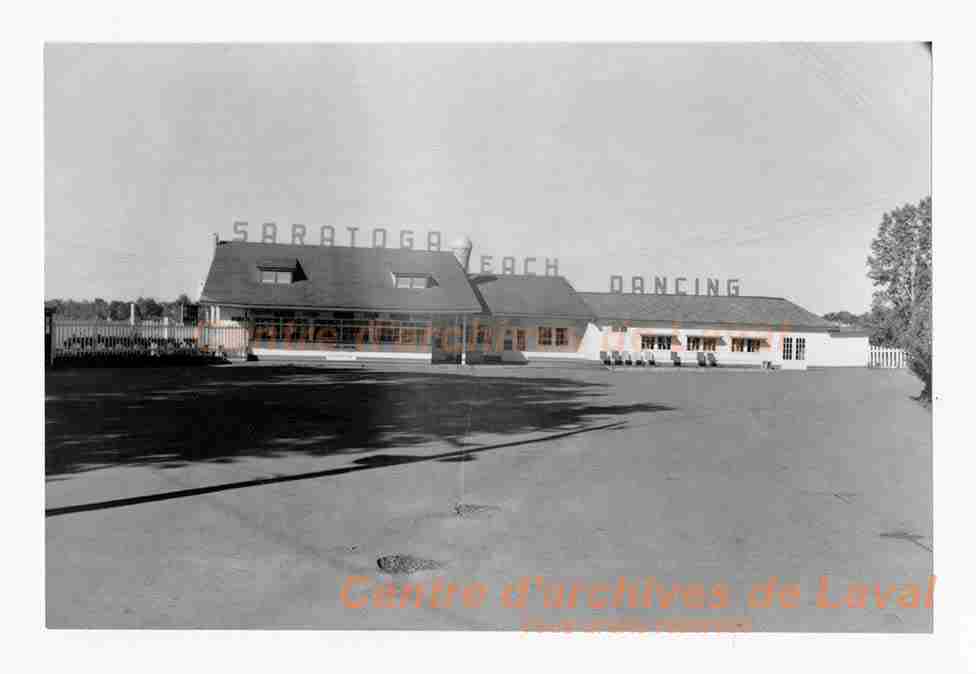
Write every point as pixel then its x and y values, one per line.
pixel 247 495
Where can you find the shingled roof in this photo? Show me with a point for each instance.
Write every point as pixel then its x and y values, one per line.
pixel 337 277
pixel 530 296
pixel 741 310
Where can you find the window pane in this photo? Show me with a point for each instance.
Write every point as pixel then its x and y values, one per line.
pixel 267 276
pixel 561 338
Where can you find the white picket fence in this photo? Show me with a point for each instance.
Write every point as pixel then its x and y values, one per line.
pixel 884 357
pixel 82 339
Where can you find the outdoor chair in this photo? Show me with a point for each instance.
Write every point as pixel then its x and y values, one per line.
pixel 712 360
pixel 702 362
pixel 628 358
pixel 639 359
pixel 605 358
pixel 649 356
pixel 617 358
pixel 676 359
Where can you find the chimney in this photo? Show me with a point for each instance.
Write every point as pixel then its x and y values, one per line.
pixel 461 247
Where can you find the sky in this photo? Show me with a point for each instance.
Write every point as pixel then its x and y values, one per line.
pixel 767 163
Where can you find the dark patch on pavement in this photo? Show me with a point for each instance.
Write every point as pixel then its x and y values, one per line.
pixel 390 459
pixel 472 510
pixel 397 564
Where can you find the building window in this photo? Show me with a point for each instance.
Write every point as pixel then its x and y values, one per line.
pixel 545 336
pixel 388 335
pixel 562 336
pixel 411 336
pixel 276 276
pixel 413 281
pixel 484 335
pixel 520 340
pixel 618 328
pixel 740 344
pixel 694 343
pixel 801 348
pixel 787 348
pixel 656 342
pixel 710 344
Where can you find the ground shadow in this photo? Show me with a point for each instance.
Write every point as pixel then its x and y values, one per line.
pixel 171 417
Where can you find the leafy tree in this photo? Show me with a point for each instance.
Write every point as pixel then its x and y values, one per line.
pixel 118 310
pixel 845 317
pixel 148 309
pixel 900 265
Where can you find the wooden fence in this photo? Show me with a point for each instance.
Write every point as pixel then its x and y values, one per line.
pixel 884 357
pixel 101 339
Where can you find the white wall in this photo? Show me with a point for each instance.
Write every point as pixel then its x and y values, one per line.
pixel 846 351
pixel 822 349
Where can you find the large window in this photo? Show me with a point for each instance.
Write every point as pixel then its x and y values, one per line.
pixel 787 348
pixel 343 328
pixel 801 348
pixel 545 336
pixel 562 336
pixel 694 343
pixel 484 335
pixel 710 344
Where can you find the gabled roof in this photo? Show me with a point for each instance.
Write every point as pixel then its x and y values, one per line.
pixel 743 310
pixel 337 277
pixel 530 296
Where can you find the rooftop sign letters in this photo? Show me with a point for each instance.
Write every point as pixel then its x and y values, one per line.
pixel 681 285
pixel 380 237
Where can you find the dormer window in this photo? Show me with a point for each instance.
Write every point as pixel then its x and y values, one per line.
pixel 413 280
pixel 277 276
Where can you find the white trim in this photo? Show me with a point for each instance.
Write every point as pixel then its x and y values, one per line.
pixel 335 355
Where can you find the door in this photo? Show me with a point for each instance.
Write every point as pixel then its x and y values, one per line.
pixel 507 346
pixel 520 340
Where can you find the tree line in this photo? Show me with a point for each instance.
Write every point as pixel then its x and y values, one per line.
pixel 147 308
pixel 876 322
